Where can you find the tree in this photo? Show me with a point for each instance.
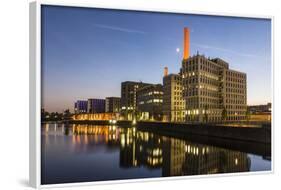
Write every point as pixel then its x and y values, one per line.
pixel 66 114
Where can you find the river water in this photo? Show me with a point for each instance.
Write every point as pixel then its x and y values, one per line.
pixel 86 153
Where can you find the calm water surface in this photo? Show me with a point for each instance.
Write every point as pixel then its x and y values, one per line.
pixel 83 153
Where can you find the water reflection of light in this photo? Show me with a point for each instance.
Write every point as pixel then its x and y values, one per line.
pixel 122 140
pixel 86 139
pixel 128 139
pixel 73 140
pixel 62 128
pixel 146 137
pixel 78 139
pixel 236 161
pixel 179 155
pixel 47 127
pixel 134 122
pixel 96 138
pixel 157 152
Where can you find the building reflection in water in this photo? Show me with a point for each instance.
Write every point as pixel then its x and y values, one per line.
pixel 92 134
pixel 175 157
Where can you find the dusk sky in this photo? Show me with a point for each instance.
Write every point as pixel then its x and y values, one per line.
pixel 87 53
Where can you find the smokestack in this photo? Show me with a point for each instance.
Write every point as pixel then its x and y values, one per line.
pixel 186 43
pixel 165 71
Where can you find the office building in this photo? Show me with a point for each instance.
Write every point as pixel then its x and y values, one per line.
pixel 112 104
pixel 212 92
pixel 129 98
pixel 80 106
pixel 149 102
pixel 173 102
pixel 96 105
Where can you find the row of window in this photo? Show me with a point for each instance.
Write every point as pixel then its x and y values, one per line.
pixel 177 93
pixel 208 69
pixel 236 107
pixel 151 101
pixel 235 85
pixel 235 96
pixel 179 103
pixel 236 75
pixel 235 101
pixel 209 93
pixel 151 93
pixel 236 80
pixel 208 80
pixel 205 65
pixel 235 90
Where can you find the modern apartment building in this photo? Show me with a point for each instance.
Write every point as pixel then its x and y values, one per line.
pixel 149 102
pixel 112 104
pixel 96 105
pixel 80 106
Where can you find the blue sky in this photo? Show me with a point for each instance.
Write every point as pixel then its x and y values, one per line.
pixel 87 53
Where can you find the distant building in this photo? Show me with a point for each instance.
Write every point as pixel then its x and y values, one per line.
pixel 80 106
pixel 96 105
pixel 260 112
pixel 129 98
pixel 112 104
pixel 96 116
pixel 173 102
pixel 260 116
pixel 260 108
pixel 149 102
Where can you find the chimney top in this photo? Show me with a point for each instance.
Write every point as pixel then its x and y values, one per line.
pixel 186 43
pixel 165 71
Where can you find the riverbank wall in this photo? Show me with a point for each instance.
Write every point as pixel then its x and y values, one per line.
pixel 260 134
pixel 251 134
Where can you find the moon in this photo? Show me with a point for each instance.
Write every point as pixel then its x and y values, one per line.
pixel 178 50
